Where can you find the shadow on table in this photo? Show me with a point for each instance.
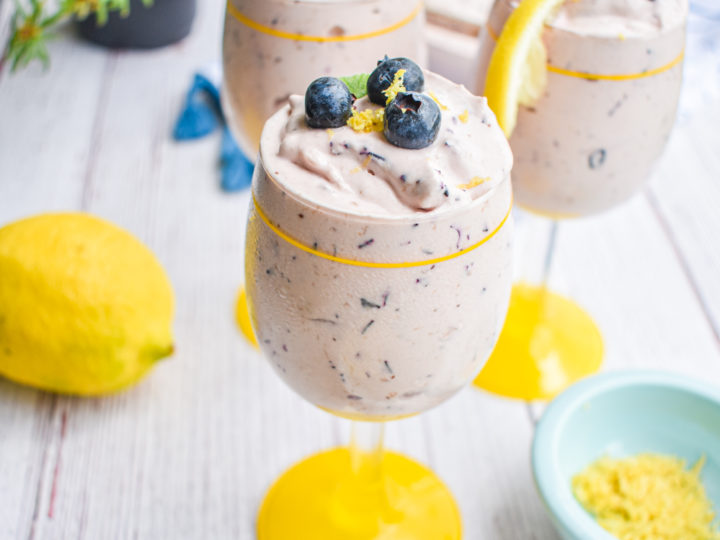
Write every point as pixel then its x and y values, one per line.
pixel 17 396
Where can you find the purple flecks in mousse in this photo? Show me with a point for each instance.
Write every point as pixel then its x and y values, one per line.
pixel 367 326
pixel 321 320
pixel 459 233
pixel 368 304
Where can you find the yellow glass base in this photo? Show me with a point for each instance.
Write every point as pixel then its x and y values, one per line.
pixel 321 498
pixel 548 342
pixel 242 318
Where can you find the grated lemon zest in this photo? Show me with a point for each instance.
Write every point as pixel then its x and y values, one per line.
pixel 436 100
pixel 647 497
pixel 367 120
pixel 464 116
pixel 396 86
pixel 330 133
pixel 474 182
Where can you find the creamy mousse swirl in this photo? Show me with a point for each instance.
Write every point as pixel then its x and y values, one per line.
pixel 362 173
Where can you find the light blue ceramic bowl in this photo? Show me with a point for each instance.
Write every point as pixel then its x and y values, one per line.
pixel 620 414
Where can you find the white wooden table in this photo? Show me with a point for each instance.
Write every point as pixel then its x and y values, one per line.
pixel 189 452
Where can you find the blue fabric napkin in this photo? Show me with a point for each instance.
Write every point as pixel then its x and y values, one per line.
pixel 201 115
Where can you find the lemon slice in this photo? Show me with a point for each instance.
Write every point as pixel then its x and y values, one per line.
pixel 517 72
pixel 242 317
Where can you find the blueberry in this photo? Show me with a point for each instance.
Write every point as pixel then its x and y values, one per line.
pixel 412 120
pixel 384 73
pixel 328 103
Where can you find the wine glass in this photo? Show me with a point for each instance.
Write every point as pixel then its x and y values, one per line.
pixel 371 318
pixel 275 48
pixel 586 145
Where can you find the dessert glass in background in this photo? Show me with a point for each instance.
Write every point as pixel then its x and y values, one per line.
pixel 275 48
pixel 378 279
pixel 614 71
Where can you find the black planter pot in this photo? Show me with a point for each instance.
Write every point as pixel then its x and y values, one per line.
pixel 165 22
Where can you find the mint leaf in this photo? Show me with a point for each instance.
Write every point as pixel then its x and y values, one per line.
pixel 357 84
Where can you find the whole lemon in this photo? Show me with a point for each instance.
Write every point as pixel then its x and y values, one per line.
pixel 85 307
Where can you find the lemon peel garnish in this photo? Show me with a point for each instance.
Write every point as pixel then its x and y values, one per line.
pixel 330 133
pixel 436 100
pixel 367 120
pixel 396 87
pixel 474 182
pixel 464 116
pixel 373 119
pixel 517 71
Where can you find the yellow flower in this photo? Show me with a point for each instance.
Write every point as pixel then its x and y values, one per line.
pixel 28 31
pixel 82 8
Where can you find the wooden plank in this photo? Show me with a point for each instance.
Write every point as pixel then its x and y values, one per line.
pixel 639 293
pixel 46 134
pixel 622 268
pixel 480 445
pixel 685 195
pixel 45 138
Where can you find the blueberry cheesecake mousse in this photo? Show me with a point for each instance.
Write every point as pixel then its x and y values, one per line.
pixel 380 240
pixel 275 48
pixel 592 138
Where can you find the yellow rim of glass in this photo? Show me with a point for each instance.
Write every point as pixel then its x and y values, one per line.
pixel 247 21
pixel 604 77
pixel 369 264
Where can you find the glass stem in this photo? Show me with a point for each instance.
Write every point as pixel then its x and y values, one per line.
pixel 535 248
pixel 366 451
pixel 362 501
pixel 549 252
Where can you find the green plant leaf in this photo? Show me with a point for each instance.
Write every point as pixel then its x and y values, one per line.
pixel 31 26
pixel 357 84
pixel 27 38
